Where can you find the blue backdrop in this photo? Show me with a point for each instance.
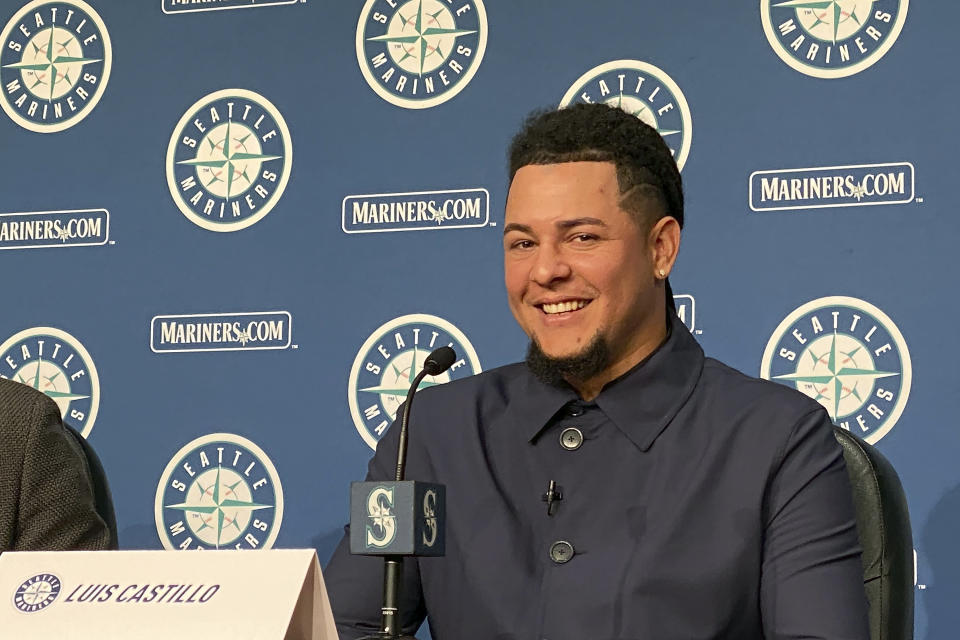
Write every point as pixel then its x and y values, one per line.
pixel 231 227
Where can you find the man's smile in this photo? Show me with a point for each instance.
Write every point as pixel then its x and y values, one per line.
pixel 562 306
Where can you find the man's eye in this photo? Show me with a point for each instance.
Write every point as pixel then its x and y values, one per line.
pixel 521 244
pixel 584 237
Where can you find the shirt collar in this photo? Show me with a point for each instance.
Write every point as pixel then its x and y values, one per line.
pixel 641 402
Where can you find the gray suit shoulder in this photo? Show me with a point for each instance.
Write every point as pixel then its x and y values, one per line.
pixel 22 408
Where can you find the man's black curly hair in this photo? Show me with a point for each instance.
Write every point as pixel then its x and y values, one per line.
pixel 646 171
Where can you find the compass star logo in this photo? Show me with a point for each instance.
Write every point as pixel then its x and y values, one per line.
pixel 37 592
pixel 220 491
pixel 644 91
pixel 847 355
pixel 54 362
pixel 420 53
pixel 391 358
pixel 54 64
pixel 832 38
pixel 229 159
pixel 383 523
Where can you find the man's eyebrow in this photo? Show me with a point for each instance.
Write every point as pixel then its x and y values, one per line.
pixel 513 226
pixel 562 224
pixel 578 222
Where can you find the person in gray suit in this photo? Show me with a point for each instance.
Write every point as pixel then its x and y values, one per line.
pixel 46 489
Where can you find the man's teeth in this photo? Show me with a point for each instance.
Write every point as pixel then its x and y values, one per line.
pixel 561 307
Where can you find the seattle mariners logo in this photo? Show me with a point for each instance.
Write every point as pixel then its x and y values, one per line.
pixel 229 160
pixel 420 53
pixel 641 89
pixel 391 358
pixel 383 527
pixel 54 64
pixel 219 491
pixel 832 38
pixel 54 362
pixel 37 592
pixel 430 517
pixel 849 356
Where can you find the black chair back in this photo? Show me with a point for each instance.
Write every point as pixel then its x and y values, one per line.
pixel 883 524
pixel 102 499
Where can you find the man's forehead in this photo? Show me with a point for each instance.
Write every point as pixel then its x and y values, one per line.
pixel 537 184
pixel 563 194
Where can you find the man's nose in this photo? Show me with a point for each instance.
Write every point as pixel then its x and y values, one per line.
pixel 550 266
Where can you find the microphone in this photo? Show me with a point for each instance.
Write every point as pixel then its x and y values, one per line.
pixel 439 360
pixel 408 517
pixel 553 495
pixel 436 363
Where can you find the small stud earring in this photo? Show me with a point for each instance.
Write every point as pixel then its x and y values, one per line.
pixel 663 274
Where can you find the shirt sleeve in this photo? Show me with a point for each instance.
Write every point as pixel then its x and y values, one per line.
pixel 812 577
pixel 355 583
pixel 57 511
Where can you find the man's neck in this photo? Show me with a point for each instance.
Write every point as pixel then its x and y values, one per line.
pixel 591 388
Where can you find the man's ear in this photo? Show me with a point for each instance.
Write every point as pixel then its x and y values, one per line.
pixel 664 245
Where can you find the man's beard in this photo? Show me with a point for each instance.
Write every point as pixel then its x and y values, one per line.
pixel 586 364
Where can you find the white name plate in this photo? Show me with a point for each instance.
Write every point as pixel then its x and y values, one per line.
pixel 158 595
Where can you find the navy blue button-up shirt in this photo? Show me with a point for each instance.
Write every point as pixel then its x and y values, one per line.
pixel 701 503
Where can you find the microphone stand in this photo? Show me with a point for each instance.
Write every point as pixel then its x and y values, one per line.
pixel 390 623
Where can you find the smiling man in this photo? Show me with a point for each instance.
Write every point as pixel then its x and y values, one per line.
pixel 585 277
pixel 617 484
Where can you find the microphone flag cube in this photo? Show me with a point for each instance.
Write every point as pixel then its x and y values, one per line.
pixel 390 518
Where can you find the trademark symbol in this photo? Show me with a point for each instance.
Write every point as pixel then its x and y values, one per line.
pixel 919 200
pixel 493 224
pixel 922 587
pixel 113 242
pixel 699 332
pixel 294 346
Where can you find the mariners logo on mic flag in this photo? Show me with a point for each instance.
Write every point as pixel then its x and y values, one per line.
pixel 54 64
pixel 383 523
pixel 397 518
pixel 391 358
pixel 229 160
pixel 54 362
pixel 220 491
pixel 849 356
pixel 430 522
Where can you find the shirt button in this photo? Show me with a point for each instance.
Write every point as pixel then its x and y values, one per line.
pixel 561 552
pixel 574 410
pixel 571 438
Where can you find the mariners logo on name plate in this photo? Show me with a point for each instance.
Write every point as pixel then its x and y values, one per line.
pixel 849 356
pixel 37 592
pixel 389 360
pixel 643 90
pixel 220 491
pixel 832 38
pixel 229 160
pixel 54 362
pixel 54 64
pixel 420 53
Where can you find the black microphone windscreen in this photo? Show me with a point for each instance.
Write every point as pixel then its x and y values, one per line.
pixel 439 360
